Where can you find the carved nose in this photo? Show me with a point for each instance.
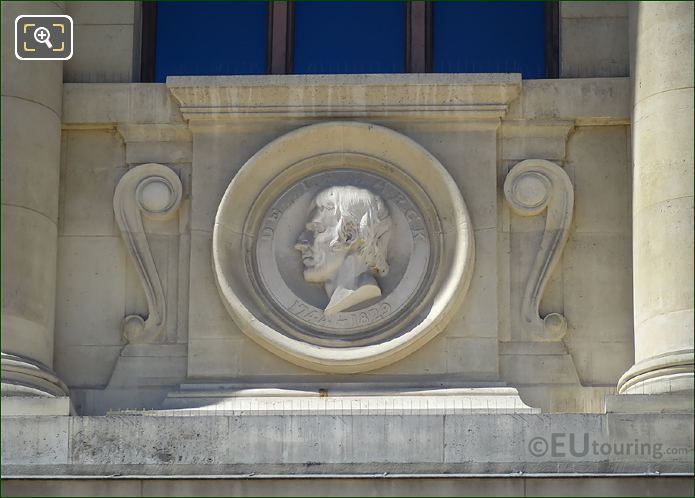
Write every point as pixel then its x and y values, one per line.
pixel 303 241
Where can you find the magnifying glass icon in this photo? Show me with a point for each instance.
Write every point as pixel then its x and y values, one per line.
pixel 42 35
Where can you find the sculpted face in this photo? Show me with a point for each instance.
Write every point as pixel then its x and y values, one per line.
pixel 344 245
pixel 321 262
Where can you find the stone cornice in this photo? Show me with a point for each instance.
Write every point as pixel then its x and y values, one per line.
pixel 431 96
pixel 464 98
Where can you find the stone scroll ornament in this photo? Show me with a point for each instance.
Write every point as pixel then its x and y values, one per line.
pixel 154 191
pixel 531 187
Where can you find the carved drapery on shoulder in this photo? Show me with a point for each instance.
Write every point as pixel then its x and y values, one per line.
pixel 532 186
pixel 155 191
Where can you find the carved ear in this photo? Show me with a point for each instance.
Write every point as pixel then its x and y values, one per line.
pixel 347 234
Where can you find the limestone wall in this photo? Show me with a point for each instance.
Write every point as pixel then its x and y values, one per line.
pixel 594 39
pixel 107 42
pixel 580 125
pixel 479 128
pixel 534 213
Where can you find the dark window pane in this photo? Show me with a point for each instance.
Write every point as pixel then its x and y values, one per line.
pixel 211 38
pixel 348 37
pixel 489 37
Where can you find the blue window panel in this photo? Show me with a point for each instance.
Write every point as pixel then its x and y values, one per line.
pixel 349 37
pixel 211 38
pixel 489 37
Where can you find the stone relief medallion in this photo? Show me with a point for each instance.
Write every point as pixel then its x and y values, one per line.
pixel 342 247
pixel 342 255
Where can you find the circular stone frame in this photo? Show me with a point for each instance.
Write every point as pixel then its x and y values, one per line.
pixel 271 170
pixel 335 163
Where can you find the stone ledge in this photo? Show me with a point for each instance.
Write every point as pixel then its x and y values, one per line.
pixel 452 98
pixel 433 96
pixel 242 401
pixel 35 405
pixel 359 485
pixel 680 402
pixel 345 444
pixel 88 104
pixel 586 101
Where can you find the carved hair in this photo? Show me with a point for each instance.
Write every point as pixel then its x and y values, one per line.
pixel 364 223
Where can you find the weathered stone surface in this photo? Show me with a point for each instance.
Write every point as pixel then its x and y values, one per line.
pixel 547 118
pixel 107 39
pixel 340 444
pixel 505 382
pixel 364 485
pixel 31 149
pixel 662 206
pixel 421 294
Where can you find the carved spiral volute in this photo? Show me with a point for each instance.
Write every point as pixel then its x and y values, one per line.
pixel 155 191
pixel 532 186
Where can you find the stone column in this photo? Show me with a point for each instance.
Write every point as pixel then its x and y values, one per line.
pixel 32 93
pixel 662 207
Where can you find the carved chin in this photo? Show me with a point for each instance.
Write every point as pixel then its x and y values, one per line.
pixel 321 270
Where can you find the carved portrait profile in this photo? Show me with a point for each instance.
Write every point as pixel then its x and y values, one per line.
pixel 328 247
pixel 344 245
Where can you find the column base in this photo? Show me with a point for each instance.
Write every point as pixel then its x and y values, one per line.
pixel 668 373
pixel 30 388
pixel 676 402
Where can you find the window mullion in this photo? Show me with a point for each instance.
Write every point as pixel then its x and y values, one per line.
pixel 552 40
pixel 148 40
pixel 418 37
pixel 280 36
